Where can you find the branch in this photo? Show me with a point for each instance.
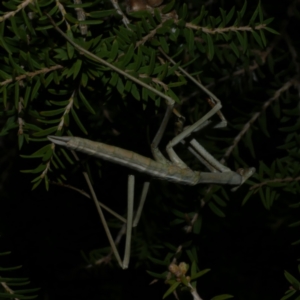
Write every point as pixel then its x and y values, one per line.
pixel 246 127
pixel 125 20
pixel 19 7
pixel 224 29
pixel 81 17
pixel 286 179
pixel 8 289
pixel 31 74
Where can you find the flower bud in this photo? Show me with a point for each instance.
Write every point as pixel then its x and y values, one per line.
pixel 174 269
pixel 183 267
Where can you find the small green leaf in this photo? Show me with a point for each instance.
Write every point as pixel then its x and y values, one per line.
pixel 120 86
pixel 77 120
pixel 114 79
pixel 157 15
pixel 20 140
pixel 139 59
pixel 230 15
pixel 271 30
pixel 262 120
pixel 158 276
pixel 114 50
pixel 86 102
pixel 247 197
pixel 263 38
pixel 243 10
pixel 158 261
pixel 199 274
pixel 4 96
pixel 252 20
pixel 215 209
pixel 17 95
pixel 295 243
pixel 38 153
pixel 65 154
pixel 45 132
pixel 295 224
pixel 190 39
pixel 235 49
pixel 263 198
pixel 168 7
pixel 257 38
pixel 135 92
pixel 128 56
pixel 151 63
pixel 292 280
pixel 51 113
pixel 164 44
pixel 197 225
pixel 70 48
pixel 38 169
pixel 210 47
pixel 102 13
pixel 183 11
pixel 289 294
pixel 219 201
pixel 35 90
pixel 249 143
pixel 260 13
pixel 171 289
pixel 222 297
pixel 77 67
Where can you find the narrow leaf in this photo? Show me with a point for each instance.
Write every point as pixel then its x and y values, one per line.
pixel 215 209
pixel 171 289
pixel 78 122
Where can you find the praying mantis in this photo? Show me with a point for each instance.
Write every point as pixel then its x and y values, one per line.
pixel 172 169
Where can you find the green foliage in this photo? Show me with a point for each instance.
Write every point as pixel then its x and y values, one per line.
pixel 7 283
pixel 76 81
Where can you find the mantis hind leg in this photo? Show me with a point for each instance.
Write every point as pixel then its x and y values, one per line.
pixel 130 221
pixel 130 201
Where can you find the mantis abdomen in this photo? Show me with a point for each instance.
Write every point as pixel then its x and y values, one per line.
pixel 132 160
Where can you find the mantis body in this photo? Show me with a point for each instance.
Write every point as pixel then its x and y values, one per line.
pixel 169 172
pixel 173 170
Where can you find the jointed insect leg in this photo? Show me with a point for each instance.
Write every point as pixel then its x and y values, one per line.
pixel 141 204
pixel 130 201
pixel 186 132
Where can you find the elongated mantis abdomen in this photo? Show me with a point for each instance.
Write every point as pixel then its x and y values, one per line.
pixel 132 160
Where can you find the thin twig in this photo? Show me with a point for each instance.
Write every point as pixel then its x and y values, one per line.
pixel 194 293
pixel 81 17
pixel 224 29
pixel 88 196
pixel 247 126
pixel 150 35
pixel 19 7
pixel 125 20
pixel 66 112
pixel 286 179
pixel 7 288
pixel 31 74
pixel 21 121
